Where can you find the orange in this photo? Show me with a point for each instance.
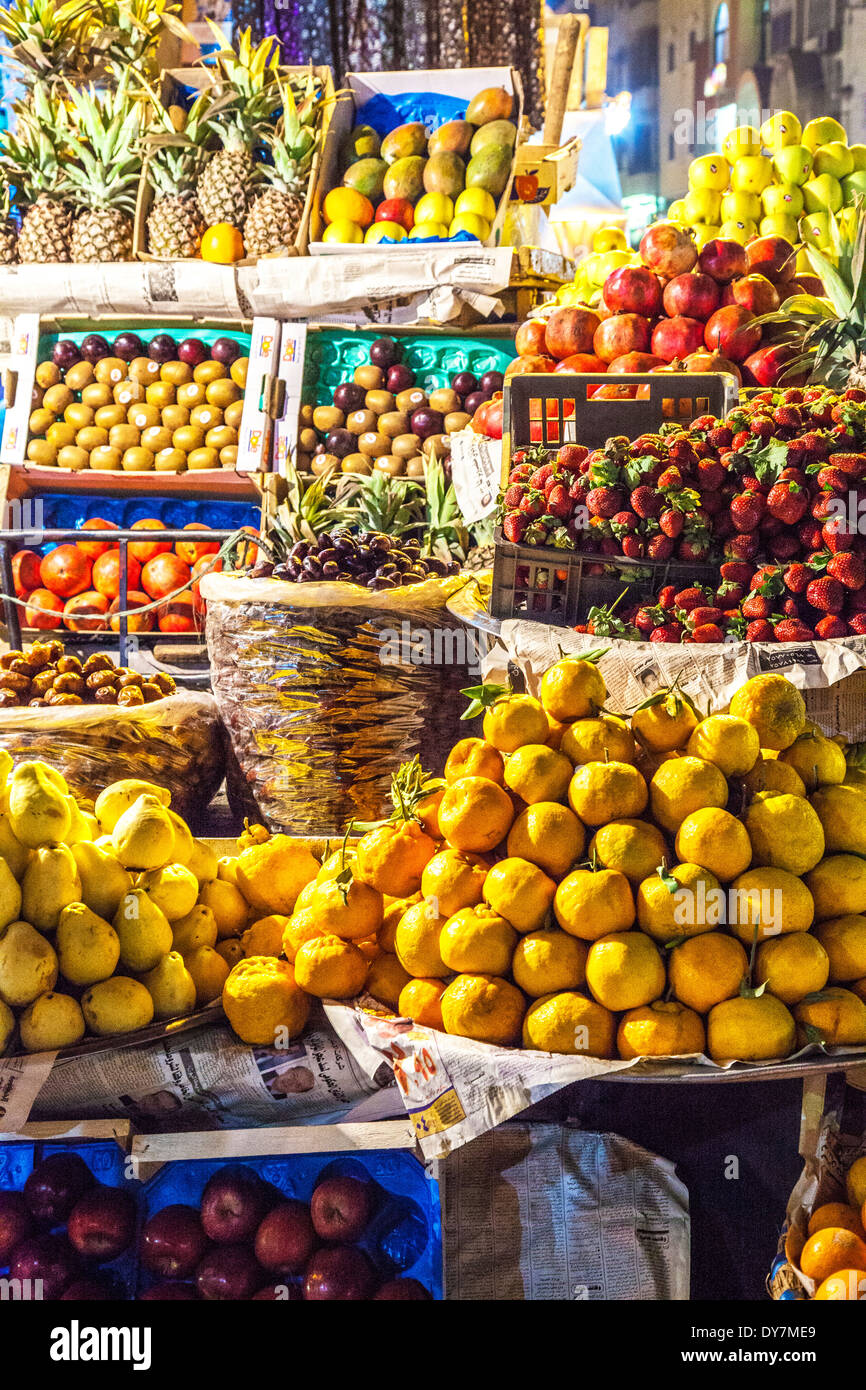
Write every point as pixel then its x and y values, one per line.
pixel 548 835
pixel 453 880
pixel 300 928
pixel 386 980
pixel 477 941
pixel 223 244
pixel 475 815
pixel 347 205
pixel 485 1008
pixel 262 1001
pixel 569 1023
pixel 354 916
pixel 839 1215
pixel 394 909
pixel 832 1249
pixel 330 968
pixel 474 757
pixel 392 858
pixel 416 941
pixel 521 892
pixel 660 1030
pixel 419 1000
pixel 624 971
pixel 264 937
pixel 846 1285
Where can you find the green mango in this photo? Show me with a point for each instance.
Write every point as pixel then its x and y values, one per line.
pixel 490 169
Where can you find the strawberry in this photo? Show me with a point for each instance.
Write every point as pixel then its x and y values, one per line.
pixel 740 440
pixel 736 572
pixel 692 552
pixel 532 503
pixel 729 594
pixel 632 546
pixel 646 501
pixel 610 546
pixel 826 504
pixel 571 456
pixel 698 617
pixel 541 475
pixel 827 594
pixel 708 632
pixel 856 625
pixel 757 606
pixel 682 454
pixel 558 502
pixel 710 474
pixel 854 393
pixel 843 438
pixel 672 523
pixel 750 483
pixel 667 596
pixel 521 474
pixel 763 427
pixel 784 546
pixel 578 489
pixel 536 533
pixel 787 417
pixel 690 598
pixel 791 607
pixel 604 501
pixel 837 535
pixel 766 580
pixel 787 502
pixel 645 619
pixel 514 527
pixel 809 534
pixel 849 569
pixel 746 510
pixel 832 479
pixel 513 495
pixel 742 547
pixel 793 630
pixel 830 627
pixel 660 547
pixel 852 465
pixel 760 631
pixel 720 437
pixel 797 577
pixel 670 480
pixel 668 632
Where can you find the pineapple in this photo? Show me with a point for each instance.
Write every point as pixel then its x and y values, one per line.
pixel 126 33
pixel 45 41
pixel 32 161
pixel 248 78
pixel 175 161
pixel 275 215
pixel 8 230
pixel 105 142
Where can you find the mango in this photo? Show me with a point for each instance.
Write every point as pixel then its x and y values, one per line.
pixel 366 176
pixel 171 987
pixel 17 856
pixel 143 931
pixel 104 882
pixel 10 895
pixel 88 947
pixel 405 179
pixel 445 173
pixel 49 884
pixel 174 889
pixel 51 1022
pixel 360 143
pixel 403 142
pixel 490 169
pixel 38 808
pixel 119 796
pixel 494 133
pixel 453 137
pixel 79 828
pixel 490 104
pixel 28 965
pixel 118 1005
pixel 144 837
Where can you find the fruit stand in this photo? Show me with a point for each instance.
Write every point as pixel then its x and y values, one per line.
pixel 372 841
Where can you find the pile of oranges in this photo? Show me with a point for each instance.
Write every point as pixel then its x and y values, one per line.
pixel 77 586
pixel 834 1254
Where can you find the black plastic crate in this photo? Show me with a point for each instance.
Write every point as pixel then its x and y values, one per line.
pixel 560 586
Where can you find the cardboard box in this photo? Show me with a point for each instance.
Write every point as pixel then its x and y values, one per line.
pixel 463 83
pixel 199 78
pixel 544 173
pixel 269 425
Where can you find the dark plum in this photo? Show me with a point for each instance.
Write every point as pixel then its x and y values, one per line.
pixel 399 378
pixel 349 396
pixel 426 422
pixel 385 352
pixel 65 354
pixel 192 351
pixel 225 350
pixel 491 381
pixel 162 348
pixel 341 442
pixel 474 400
pixel 94 347
pixel 463 383
pixel 127 345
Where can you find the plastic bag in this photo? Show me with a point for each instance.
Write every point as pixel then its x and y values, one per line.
pixel 176 743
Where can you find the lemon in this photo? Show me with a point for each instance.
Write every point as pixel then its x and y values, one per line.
pixel 715 840
pixel 477 941
pixel 784 832
pixel 520 892
pixel 683 785
pixel 731 743
pixel 477 201
pixel 434 207
pixel 599 791
pixel 683 901
pixel 515 720
pixel 817 759
pixel 548 835
pixel 844 940
pixel 483 1007
pixel 774 707
pixel 624 970
pixel 380 230
pixel 572 689
pixel 593 904
pixel 706 969
pixel 841 810
pixel 792 966
pixel 424 231
pixel 598 740
pixel 548 962
pixel 343 232
pixel 538 773
pixel 263 1002
pixel 771 900
pixel 660 1030
pixel 837 1015
pixel 569 1023
pixel 749 1029
pixel 838 885
pixel 771 775
pixel 473 224
pixel 634 847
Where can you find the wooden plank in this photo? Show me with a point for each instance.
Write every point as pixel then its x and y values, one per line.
pixel 51 1130
pixel 256 1143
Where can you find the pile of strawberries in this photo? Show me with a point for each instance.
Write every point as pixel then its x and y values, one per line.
pixel 765 504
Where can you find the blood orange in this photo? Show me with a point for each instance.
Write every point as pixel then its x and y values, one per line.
pixel 163 574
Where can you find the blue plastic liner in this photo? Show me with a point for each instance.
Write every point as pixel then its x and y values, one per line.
pixel 433 109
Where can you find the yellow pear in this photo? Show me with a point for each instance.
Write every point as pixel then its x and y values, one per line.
pixel 28 965
pixel 184 843
pixel 227 870
pixel 118 1005
pixel 143 837
pixel 203 862
pixel 210 971
pixel 10 895
pixel 52 1021
pixel 103 881
pixel 88 947
pixel 174 889
pixel 5 770
pixel 7 1026
pixel 38 809
pixel 171 987
pixel 228 905
pixel 119 796
pixel 197 928
pixel 143 930
pixel 17 856
pixel 50 882
pixel 79 829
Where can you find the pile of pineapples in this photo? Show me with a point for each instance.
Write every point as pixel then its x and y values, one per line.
pixel 91 124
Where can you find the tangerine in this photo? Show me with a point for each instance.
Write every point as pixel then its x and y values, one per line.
pixel 223 244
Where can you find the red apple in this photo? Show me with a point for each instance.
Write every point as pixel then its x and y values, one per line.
pixel 234 1202
pixel 401 1289
pixel 340 1208
pixel 694 295
pixel 772 256
pixel 173 1242
pixel 766 366
pixel 635 362
pixel 569 330
pixel 94 1289
pixel 529 339
pixel 733 332
pixel 398 210
pixel 230 1272
pixel 632 289
pixel 15 1223
pixel 668 250
pixel 755 292
pixel 55 1185
pixel 286 1239
pixel 169 1293
pixel 677 337
pixel 49 1258
pixel 620 334
pixel 102 1223
pixel 580 362
pixel 723 260
pixel 339 1273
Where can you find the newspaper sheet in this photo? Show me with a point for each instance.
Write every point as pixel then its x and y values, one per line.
pixel 205 1079
pixel 191 289
pixel 536 1212
pixel 832 675
pixel 476 467
pixel 21 1079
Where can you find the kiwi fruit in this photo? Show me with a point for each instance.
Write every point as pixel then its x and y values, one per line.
pixel 41 421
pixel 128 393
pixel 361 421
pixel 415 467
pixel 307 440
pixel 71 456
pixel 160 393
pixel 61 434
pixel 137 460
pixel 79 376
pixel 411 399
pixel 207 372
pixel 155 438
pixel 97 394
pixel 124 437
pixel 203 458
pixel 221 437
pixel 106 457
pixel 456 420
pixel 57 398
pixel 79 415
pixel 373 444
pixel 222 393
pixel 356 463
pixel 108 415
pixel 91 437
pixel 306 413
pixel 143 369
pixel 40 452
pixel 406 446
pixel 327 418
pixel 394 467
pixel 393 423
pixel 48 374
pixel 174 417
pixel 144 416
pixel 111 370
pixel 190 394
pixel 188 438
pixel 206 416
pixel 233 414
pixel 380 402
pixel 444 399
pixel 370 377
pixel 170 461
pixel 436 446
pixel 238 371
pixel 229 456
pixel 177 373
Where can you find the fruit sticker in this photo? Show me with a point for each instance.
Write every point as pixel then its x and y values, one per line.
pixel 267 345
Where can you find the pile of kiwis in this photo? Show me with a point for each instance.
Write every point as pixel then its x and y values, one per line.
pixel 380 421
pixel 164 407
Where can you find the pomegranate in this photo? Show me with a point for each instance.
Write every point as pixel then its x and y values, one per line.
pixel 766 366
pixel 521 365
pixel 694 295
pixel 733 332
pixel 677 337
pixel 668 250
pixel 703 361
pixel 723 260
pixel 620 334
pixel 772 256
pixel 529 339
pixel 804 284
pixel 580 362
pixel 754 292
pixel 635 362
pixel 633 290
pixel 570 330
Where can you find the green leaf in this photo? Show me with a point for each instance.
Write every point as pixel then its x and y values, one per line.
pixel 835 286
pixel 814 1035
pixel 667 878
pixel 483 697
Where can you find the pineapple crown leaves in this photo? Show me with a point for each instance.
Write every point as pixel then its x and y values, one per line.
pixel 105 141
pixel 392 505
pixel 250 77
pixel 444 529
pixel 294 143
pixel 126 33
pixel 31 155
pixel 308 510
pixel 46 41
pixel 176 157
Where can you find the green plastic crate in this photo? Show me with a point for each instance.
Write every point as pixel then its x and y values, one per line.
pixel 333 354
